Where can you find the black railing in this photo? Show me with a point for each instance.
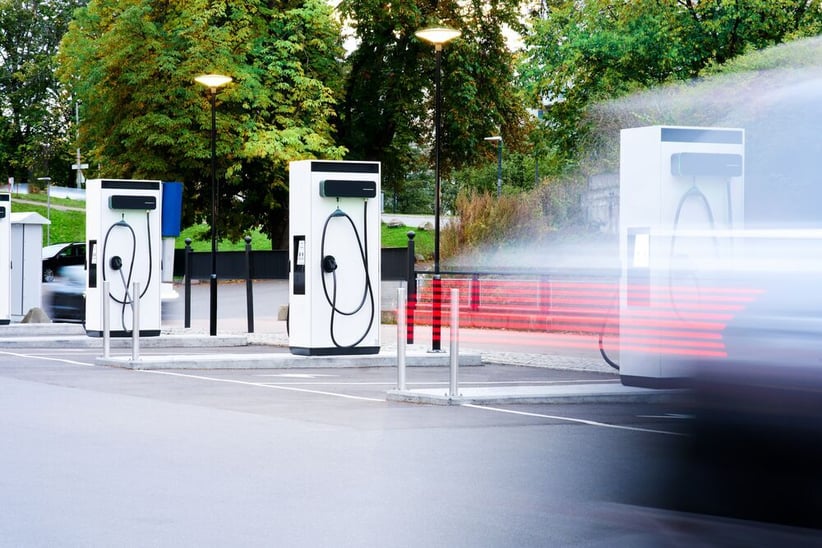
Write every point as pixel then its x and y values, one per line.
pixel 249 265
pixel 268 265
pixel 535 289
pixel 398 264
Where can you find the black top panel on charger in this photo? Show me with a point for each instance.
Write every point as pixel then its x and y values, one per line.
pixel 132 202
pixel 335 188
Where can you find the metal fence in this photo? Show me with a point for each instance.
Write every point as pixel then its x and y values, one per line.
pixel 267 265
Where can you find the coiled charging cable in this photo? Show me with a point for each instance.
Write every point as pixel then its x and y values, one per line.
pixel 329 266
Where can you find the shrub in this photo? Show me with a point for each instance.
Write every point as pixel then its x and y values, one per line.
pixel 489 221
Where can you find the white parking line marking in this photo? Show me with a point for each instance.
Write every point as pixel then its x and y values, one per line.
pixel 46 358
pixel 678 416
pixel 297 375
pixel 436 383
pixel 571 419
pixel 261 385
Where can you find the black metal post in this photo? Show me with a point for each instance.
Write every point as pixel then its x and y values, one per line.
pixel 436 320
pixel 213 299
pixel 544 297
pixel 411 298
pixel 249 293
pixel 475 292
pixel 437 191
pixel 187 292
pixel 499 168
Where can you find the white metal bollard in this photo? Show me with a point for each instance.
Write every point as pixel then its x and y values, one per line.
pixel 106 321
pixel 135 323
pixel 454 346
pixel 401 342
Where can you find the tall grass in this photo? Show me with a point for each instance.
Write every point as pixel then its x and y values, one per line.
pixel 489 221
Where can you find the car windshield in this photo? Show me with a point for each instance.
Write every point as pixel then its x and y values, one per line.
pixel 52 250
pixel 64 249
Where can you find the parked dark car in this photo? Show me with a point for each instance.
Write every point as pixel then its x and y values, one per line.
pixel 57 256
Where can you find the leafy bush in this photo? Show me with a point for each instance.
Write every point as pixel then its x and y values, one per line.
pixel 487 220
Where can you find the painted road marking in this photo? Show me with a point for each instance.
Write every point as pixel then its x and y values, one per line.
pixel 570 419
pixel 260 384
pixel 35 357
pixel 297 375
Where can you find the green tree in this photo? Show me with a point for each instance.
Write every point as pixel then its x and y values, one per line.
pixel 33 106
pixel 133 64
pixel 579 53
pixel 388 106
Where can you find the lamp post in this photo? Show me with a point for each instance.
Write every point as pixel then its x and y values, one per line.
pixel 498 139
pixel 438 36
pixel 47 180
pixel 212 82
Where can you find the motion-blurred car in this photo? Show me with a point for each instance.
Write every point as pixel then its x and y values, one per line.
pixel 57 256
pixel 65 296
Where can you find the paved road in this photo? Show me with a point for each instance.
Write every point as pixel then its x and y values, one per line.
pixel 104 457
pixel 99 456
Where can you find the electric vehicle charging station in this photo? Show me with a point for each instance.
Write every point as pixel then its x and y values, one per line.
pixel 681 197
pixel 334 274
pixel 5 258
pixel 123 247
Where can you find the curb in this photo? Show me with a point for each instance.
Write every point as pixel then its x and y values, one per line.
pixel 282 360
pixel 577 393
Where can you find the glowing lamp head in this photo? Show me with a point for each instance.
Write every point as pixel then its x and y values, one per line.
pixel 213 81
pixel 437 35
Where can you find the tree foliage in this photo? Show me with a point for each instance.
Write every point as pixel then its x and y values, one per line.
pixel 388 111
pixel 133 64
pixel 33 114
pixel 584 52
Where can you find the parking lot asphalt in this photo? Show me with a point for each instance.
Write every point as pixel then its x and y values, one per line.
pixel 321 454
pixel 108 456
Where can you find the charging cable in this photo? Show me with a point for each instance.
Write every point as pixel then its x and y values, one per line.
pixel 116 264
pixel 329 266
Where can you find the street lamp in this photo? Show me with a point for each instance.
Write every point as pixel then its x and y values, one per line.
pixel 438 36
pixel 212 82
pixel 498 139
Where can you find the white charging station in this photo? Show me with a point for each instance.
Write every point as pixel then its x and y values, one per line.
pixel 334 275
pixel 5 258
pixel 681 197
pixel 123 233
